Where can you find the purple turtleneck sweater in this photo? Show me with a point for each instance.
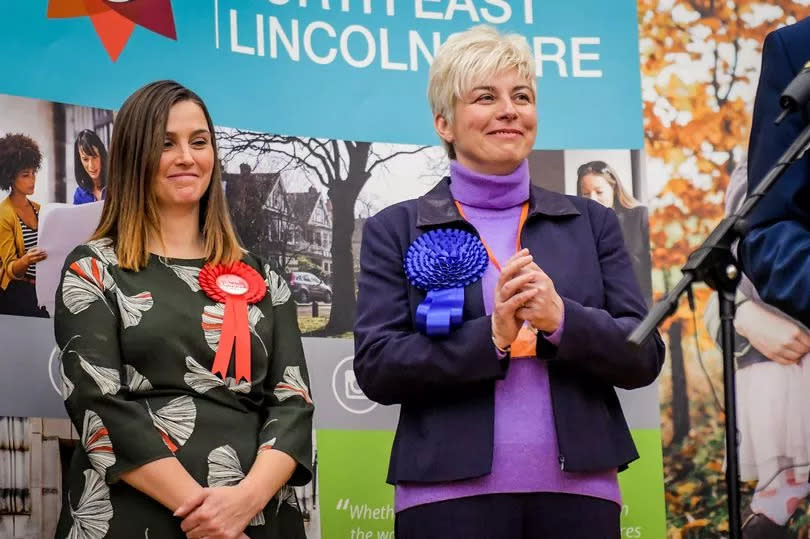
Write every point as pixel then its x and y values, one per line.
pixel 525 455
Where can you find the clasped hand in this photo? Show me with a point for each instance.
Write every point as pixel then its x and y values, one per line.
pixel 524 293
pixel 218 513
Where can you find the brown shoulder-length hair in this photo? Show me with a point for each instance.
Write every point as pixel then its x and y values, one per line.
pixel 130 209
pixel 621 198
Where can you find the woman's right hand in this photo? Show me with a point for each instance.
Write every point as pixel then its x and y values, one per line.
pixel 32 256
pixel 776 337
pixel 510 295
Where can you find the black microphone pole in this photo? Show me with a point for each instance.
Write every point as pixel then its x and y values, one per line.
pixel 796 94
pixel 713 263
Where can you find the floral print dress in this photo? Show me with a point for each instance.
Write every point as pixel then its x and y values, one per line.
pixel 136 356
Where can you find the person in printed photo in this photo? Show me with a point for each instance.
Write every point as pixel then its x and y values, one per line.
pixel 182 366
pixel 90 166
pixel 20 160
pixel 599 181
pixel 509 422
pixel 773 395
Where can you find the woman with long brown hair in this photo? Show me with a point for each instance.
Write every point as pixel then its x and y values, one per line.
pixel 599 181
pixel 90 166
pixel 182 364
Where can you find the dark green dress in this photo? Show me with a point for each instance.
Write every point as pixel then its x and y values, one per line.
pixel 137 350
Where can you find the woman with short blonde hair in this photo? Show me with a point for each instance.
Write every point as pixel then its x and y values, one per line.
pixel 467 59
pixel 502 329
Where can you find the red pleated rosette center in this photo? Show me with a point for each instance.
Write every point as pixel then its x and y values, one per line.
pixel 236 285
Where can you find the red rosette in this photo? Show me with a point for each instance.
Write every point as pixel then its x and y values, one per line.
pixel 236 285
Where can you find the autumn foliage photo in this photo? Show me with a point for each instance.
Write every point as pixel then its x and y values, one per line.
pixel 700 63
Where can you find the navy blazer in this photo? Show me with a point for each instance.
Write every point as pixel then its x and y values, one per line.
pixel 776 252
pixel 446 386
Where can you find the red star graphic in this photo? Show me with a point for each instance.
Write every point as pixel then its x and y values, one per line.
pixel 114 20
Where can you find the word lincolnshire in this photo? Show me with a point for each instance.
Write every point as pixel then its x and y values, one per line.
pixel 360 47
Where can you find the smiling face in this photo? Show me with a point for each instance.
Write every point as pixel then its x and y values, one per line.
pixel 187 161
pixel 91 163
pixel 494 124
pixel 596 187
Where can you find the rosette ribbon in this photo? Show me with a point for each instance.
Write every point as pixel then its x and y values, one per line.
pixel 443 262
pixel 236 285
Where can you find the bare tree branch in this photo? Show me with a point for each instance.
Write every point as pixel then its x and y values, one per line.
pixel 395 154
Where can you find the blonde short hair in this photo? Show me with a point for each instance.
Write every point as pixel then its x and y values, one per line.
pixel 471 57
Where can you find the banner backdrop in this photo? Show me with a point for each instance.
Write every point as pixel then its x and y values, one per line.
pixel 321 122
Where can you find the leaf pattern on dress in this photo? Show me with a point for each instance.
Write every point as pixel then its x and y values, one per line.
pixel 276 287
pixel 189 274
pixel 136 381
pixel 267 445
pixel 67 385
pixel 201 379
pixel 286 494
pixel 91 518
pixel 96 442
pixel 262 434
pixel 104 250
pixel 292 385
pixel 108 380
pixel 133 307
pixel 84 283
pixel 175 421
pixel 225 470
pixel 212 318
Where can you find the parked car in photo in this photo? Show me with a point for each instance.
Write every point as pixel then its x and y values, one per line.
pixel 307 287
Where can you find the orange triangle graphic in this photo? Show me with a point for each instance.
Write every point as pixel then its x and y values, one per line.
pixel 113 29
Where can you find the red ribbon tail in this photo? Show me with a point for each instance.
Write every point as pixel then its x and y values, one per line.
pixel 226 340
pixel 240 310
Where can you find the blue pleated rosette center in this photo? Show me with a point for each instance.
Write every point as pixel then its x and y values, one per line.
pixel 443 262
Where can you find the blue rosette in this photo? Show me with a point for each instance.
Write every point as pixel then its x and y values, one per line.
pixel 443 262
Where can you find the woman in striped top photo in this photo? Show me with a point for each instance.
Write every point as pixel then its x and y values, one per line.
pixel 20 160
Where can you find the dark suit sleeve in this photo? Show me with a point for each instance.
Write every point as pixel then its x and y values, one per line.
pixel 775 253
pixel 594 339
pixel 393 362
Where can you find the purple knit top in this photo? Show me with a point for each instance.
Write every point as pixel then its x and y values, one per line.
pixel 525 455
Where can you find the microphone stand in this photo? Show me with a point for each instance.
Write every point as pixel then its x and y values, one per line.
pixel 713 263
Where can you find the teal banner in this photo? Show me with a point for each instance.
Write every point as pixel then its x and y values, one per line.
pixel 343 69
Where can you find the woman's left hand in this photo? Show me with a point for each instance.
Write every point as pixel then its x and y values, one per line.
pixel 545 310
pixel 223 513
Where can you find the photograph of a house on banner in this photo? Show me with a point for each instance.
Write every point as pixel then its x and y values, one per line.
pixel 300 203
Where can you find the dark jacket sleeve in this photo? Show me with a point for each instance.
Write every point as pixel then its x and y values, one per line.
pixel 393 362
pixel 594 338
pixel 775 254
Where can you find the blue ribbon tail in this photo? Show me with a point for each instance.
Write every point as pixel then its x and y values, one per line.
pixel 440 311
